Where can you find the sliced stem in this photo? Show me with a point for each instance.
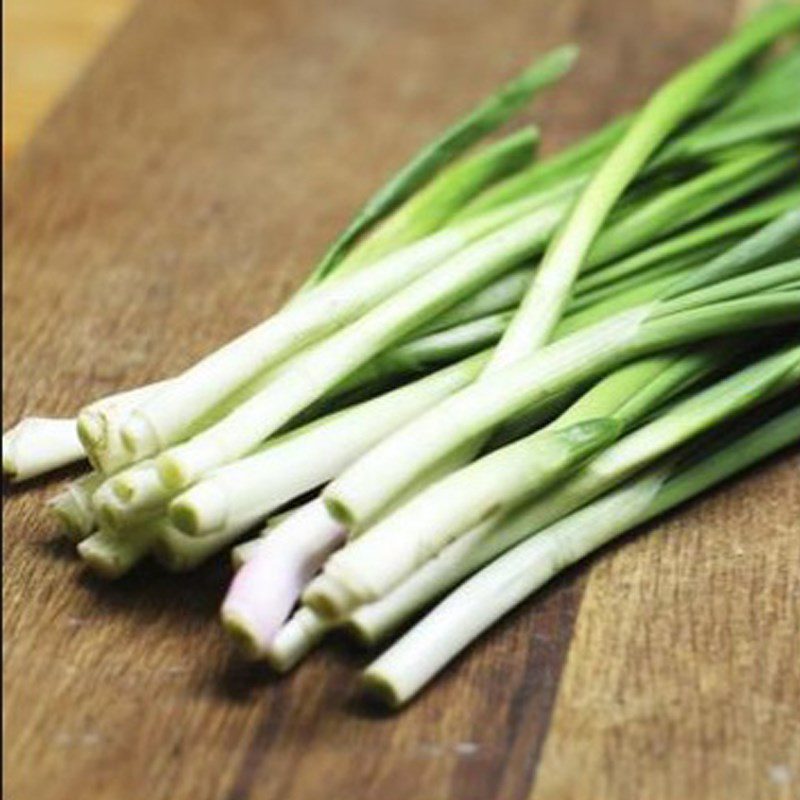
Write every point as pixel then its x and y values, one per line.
pixel 73 507
pixel 177 552
pixel 37 445
pixel 111 555
pixel 295 640
pixel 99 423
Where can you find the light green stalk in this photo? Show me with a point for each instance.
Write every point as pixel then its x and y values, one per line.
pixel 145 495
pixel 317 370
pixel 681 250
pixel 412 661
pixel 778 240
pixel 426 352
pixel 369 566
pixel 493 112
pixel 287 467
pixel 572 165
pixel 226 378
pixel 662 272
pixel 361 493
pixel 639 449
pixel 430 208
pixel 544 304
pixel 766 106
pixel 628 295
pixel 502 295
pixel 686 243
pixel 654 217
pixel 692 200
pixel 387 553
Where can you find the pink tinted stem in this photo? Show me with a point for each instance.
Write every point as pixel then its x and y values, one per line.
pixel 266 588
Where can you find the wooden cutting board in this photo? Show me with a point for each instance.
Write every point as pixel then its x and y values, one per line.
pixel 176 197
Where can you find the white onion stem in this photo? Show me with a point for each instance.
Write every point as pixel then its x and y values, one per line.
pixel 247 490
pixel 74 508
pixel 37 445
pixel 295 640
pixel 315 314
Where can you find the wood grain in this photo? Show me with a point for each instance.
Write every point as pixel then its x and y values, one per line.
pixel 683 677
pixel 47 45
pixel 177 195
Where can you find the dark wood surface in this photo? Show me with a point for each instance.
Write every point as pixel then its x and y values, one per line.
pixel 177 195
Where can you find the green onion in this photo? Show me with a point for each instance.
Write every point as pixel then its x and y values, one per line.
pixel 412 661
pixel 249 489
pixel 672 104
pixel 73 506
pixel 500 365
pixel 497 109
pixel 317 370
pixel 363 491
pixel 639 449
pixel 38 445
pixel 432 206
pixel 379 559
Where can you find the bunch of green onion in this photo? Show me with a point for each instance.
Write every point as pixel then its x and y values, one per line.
pixel 502 363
